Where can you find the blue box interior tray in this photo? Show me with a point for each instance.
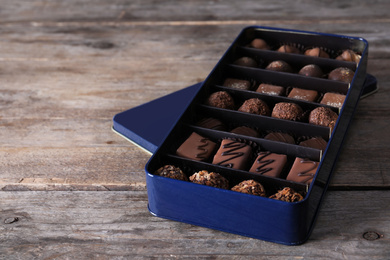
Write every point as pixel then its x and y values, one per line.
pixel 264 218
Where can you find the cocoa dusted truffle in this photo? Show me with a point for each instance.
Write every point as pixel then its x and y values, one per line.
pixel 221 99
pixel 280 137
pixel 287 194
pixel 270 89
pixel 237 83
pixel 245 130
pixel 212 179
pixel 333 99
pixel 246 62
pixel 172 172
pixel 250 187
pixel 311 70
pixel 255 106
pixel 288 111
pixel 342 74
pixel 259 44
pixel 349 55
pixel 303 94
pixel 196 147
pixel 323 116
pixel 317 52
pixel 211 123
pixel 280 66
pixel 289 49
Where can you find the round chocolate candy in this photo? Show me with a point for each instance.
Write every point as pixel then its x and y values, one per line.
pixel 287 194
pixel 342 74
pixel 317 52
pixel 250 187
pixel 255 106
pixel 280 66
pixel 323 116
pixel 289 49
pixel 288 111
pixel 349 55
pixel 212 179
pixel 172 172
pixel 246 62
pixel 259 44
pixel 280 137
pixel 221 99
pixel 311 70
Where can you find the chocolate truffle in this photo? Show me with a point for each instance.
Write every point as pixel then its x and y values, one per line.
pixel 250 187
pixel 311 70
pixel 237 83
pixel 221 99
pixel 270 89
pixel 289 49
pixel 232 154
pixel 287 194
pixel 280 66
pixel 259 44
pixel 333 99
pixel 255 106
pixel 349 55
pixel 269 164
pixel 303 171
pixel 317 52
pixel 288 111
pixel 303 94
pixel 245 130
pixel 211 123
pixel 196 147
pixel 246 62
pixel 315 142
pixel 342 74
pixel 212 179
pixel 280 137
pixel 172 172
pixel 323 116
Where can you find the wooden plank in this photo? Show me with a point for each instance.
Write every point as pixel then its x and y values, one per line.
pixel 101 225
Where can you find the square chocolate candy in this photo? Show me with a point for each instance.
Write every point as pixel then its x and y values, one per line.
pixel 196 147
pixel 303 170
pixel 269 164
pixel 232 154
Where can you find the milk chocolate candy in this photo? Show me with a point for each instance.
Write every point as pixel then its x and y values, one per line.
pixel 317 52
pixel 259 44
pixel 196 147
pixel 270 89
pixel 280 66
pixel 288 49
pixel 232 154
pixel 311 70
pixel 349 55
pixel 303 171
pixel 255 106
pixel 269 164
pixel 315 142
pixel 333 99
pixel 246 62
pixel 221 99
pixel 342 74
pixel 303 94
pixel 323 116
pixel 237 83
pixel 280 137
pixel 245 130
pixel 211 123
pixel 288 111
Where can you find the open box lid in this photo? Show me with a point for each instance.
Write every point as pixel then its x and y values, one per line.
pixel 147 125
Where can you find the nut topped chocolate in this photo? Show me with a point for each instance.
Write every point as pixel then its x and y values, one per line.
pixel 250 187
pixel 316 52
pixel 269 164
pixel 196 147
pixel 323 116
pixel 212 179
pixel 287 194
pixel 341 74
pixel 246 62
pixel 221 99
pixel 289 49
pixel 349 55
pixel 171 171
pixel 270 89
pixel 232 154
pixel 303 171
pixel 255 106
pixel 280 66
pixel 237 83
pixel 288 111
pixel 303 94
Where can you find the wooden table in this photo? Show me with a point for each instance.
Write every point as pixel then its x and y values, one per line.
pixel 70 188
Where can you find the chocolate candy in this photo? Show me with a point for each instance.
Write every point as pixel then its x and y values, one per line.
pixel 259 44
pixel 246 62
pixel 196 147
pixel 221 99
pixel 269 164
pixel 303 170
pixel 289 49
pixel 250 187
pixel 212 179
pixel 349 55
pixel 232 154
pixel 270 89
pixel 280 137
pixel 237 83
pixel 255 106
pixel 172 172
pixel 342 74
pixel 311 70
pixel 211 123
pixel 287 194
pixel 315 142
pixel 316 52
pixel 280 66
pixel 323 116
pixel 333 99
pixel 245 130
pixel 303 94
pixel 288 111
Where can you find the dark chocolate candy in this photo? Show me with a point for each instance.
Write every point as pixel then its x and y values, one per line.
pixel 303 94
pixel 333 99
pixel 311 70
pixel 280 137
pixel 323 116
pixel 259 44
pixel 172 172
pixel 250 187
pixel 317 52
pixel 246 62
pixel 303 171
pixel 196 147
pixel 245 130
pixel 342 74
pixel 288 111
pixel 280 66
pixel 212 179
pixel 270 89
pixel 237 83
pixel 221 99
pixel 232 154
pixel 255 106
pixel 269 164
pixel 211 123
pixel 315 142
pixel 289 49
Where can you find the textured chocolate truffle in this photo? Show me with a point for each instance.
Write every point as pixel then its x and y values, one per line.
pixel 232 154
pixel 333 99
pixel 323 116
pixel 317 52
pixel 250 187
pixel 246 62
pixel 255 106
pixel 269 164
pixel 196 147
pixel 287 194
pixel 280 137
pixel 349 55
pixel 237 83
pixel 280 66
pixel 311 70
pixel 303 94
pixel 288 111
pixel 212 179
pixel 303 170
pixel 221 99
pixel 245 130
pixel 211 123
pixel 270 89
pixel 259 44
pixel 289 49
pixel 172 172
pixel 342 74
pixel 315 142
